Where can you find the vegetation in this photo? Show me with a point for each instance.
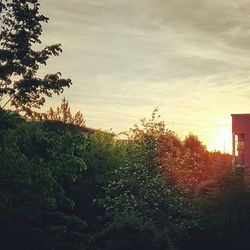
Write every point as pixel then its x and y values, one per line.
pixel 62 113
pixel 64 188
pixel 20 86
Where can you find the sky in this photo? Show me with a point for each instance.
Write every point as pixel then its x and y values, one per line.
pixel 189 58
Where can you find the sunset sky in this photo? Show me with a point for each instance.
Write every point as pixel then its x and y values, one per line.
pixel 190 58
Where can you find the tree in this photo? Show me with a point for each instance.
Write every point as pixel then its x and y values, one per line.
pixel 37 169
pixel 63 113
pixel 21 26
pixel 194 145
pixel 141 206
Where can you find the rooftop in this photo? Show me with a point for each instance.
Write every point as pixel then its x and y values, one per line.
pixel 248 114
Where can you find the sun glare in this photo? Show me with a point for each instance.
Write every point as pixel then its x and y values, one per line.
pixel 222 141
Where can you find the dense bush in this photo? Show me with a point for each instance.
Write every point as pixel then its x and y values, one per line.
pixel 36 170
pixel 220 221
pixel 61 188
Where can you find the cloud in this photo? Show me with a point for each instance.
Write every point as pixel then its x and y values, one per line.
pixel 189 57
pixel 220 20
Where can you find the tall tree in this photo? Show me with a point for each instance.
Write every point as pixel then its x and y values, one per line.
pixel 20 29
pixel 38 168
pixel 63 113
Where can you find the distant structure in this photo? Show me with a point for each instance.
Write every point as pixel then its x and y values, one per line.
pixel 241 140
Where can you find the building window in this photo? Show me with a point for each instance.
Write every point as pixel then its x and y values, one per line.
pixel 239 148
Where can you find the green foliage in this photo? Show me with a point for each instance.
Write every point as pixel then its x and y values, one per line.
pixel 131 231
pixel 220 221
pixel 101 155
pixel 184 162
pixel 36 169
pixel 21 27
pixel 139 197
pixel 134 188
pixel 104 154
pixel 62 189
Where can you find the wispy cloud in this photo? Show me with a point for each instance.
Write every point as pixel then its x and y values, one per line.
pixel 190 58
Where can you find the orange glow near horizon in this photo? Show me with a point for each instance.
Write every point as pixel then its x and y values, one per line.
pixel 222 141
pixel 218 136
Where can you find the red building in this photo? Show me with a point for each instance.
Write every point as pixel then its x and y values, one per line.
pixel 241 139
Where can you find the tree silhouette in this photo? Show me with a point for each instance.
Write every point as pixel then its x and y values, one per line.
pixel 63 113
pixel 20 87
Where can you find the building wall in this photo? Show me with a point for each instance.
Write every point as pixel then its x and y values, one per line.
pixel 241 125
